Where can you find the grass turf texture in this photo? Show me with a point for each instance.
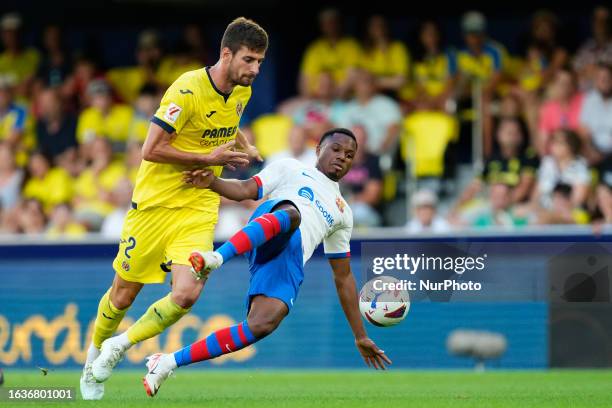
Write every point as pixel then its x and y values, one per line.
pixel 394 388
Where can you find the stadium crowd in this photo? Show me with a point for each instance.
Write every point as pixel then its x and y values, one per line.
pixel 71 133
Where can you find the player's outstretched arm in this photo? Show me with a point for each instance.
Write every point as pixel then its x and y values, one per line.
pixel 347 293
pixel 158 148
pixel 233 189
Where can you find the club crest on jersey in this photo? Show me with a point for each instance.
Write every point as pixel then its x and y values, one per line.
pixel 239 109
pixel 340 204
pixel 172 113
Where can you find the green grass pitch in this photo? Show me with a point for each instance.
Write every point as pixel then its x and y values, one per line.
pixel 395 388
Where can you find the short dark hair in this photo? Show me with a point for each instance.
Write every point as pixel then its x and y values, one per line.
pixel 243 31
pixel 332 132
pixel 563 189
pixel 572 139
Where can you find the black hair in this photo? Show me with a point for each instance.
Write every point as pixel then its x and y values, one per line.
pixel 572 139
pixel 563 189
pixel 334 131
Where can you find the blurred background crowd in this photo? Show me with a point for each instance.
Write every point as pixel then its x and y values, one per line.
pixel 453 135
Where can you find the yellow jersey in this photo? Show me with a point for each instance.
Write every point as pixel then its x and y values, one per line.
pixel 87 187
pixel 483 66
pixel 322 56
pixel 56 187
pixel 424 141
pixel 127 81
pixel 393 61
pixel 203 118
pixel 17 119
pixel 433 72
pixel 21 66
pixel 115 126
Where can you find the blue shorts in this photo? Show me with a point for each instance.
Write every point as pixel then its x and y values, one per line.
pixel 277 267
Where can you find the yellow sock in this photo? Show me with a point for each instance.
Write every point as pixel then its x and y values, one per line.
pixel 160 315
pixel 107 320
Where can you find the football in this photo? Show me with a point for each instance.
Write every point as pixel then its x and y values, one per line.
pixel 382 305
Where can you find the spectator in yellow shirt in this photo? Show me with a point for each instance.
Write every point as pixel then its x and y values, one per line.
pixel 482 58
pixel 104 118
pixel 332 52
pixel 16 61
pixel 63 225
pixel 16 125
pixel 435 69
pixel 50 186
pixel 483 62
pixel 544 55
pixel 127 81
pixel 94 185
pixel 387 59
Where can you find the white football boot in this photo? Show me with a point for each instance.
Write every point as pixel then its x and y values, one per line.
pixel 90 388
pixel 111 354
pixel 202 263
pixel 159 368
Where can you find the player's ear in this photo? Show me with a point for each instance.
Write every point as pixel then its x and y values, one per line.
pixel 226 54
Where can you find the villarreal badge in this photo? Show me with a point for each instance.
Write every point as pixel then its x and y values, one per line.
pixel 239 108
pixel 125 266
pixel 340 204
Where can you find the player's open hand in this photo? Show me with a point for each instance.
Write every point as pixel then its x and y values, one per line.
pixel 225 155
pixel 372 355
pixel 200 178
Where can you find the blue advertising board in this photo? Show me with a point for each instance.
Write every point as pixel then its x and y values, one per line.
pixel 49 297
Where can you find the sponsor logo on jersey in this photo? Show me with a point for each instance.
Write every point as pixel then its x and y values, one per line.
pixel 219 132
pixel 307 193
pixel 172 113
pixel 340 204
pixel 239 108
pixel 125 266
pixel 217 136
pixel 326 214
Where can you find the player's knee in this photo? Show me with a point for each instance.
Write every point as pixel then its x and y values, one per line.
pixel 185 298
pixel 261 326
pixel 294 216
pixel 122 299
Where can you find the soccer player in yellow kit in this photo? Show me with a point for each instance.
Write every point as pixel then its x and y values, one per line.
pixel 196 126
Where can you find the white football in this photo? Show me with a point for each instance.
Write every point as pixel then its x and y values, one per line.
pixel 381 303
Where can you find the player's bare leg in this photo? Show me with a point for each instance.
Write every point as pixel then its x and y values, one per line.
pixel 186 289
pixel 111 310
pixel 264 317
pixel 160 315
